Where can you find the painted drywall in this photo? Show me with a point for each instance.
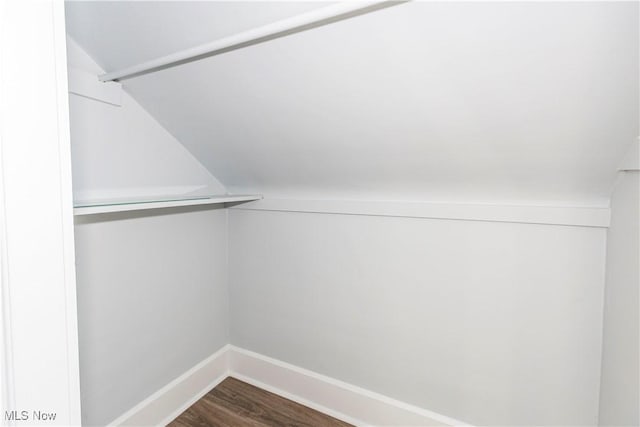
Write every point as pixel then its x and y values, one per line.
pixel 152 286
pixel 124 152
pixel 619 395
pixel 477 102
pixel 440 101
pixel 489 323
pixel 183 25
pixel 152 302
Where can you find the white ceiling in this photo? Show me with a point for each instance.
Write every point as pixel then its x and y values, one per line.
pixel 125 33
pixel 496 102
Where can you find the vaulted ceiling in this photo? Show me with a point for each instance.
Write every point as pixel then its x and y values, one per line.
pixel 476 101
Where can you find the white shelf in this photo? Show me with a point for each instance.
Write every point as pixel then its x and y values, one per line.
pixel 121 205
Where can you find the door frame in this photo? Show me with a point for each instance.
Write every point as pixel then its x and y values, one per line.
pixel 39 363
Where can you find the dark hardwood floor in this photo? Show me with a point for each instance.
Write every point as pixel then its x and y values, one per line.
pixel 236 403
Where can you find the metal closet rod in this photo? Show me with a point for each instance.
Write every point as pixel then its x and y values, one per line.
pixel 296 24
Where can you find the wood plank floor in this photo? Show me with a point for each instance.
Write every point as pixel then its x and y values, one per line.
pixel 236 403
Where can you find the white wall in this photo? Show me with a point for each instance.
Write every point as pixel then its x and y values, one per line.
pixel 123 150
pixel 619 395
pixel 152 287
pixel 490 323
pixel 152 302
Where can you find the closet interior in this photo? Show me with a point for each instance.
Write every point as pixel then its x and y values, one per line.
pixel 397 213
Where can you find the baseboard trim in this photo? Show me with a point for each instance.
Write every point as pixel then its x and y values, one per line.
pixel 166 404
pixel 341 400
pixel 300 400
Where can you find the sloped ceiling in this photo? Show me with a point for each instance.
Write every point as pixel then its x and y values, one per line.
pixel 449 101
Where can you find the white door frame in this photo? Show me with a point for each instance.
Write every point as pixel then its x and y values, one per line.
pixel 38 338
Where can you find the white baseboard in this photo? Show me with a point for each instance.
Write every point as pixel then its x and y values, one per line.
pixel 341 400
pixel 333 397
pixel 166 404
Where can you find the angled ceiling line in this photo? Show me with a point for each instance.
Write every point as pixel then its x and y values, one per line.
pixel 303 22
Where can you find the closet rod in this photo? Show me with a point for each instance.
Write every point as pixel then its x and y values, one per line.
pixel 296 24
